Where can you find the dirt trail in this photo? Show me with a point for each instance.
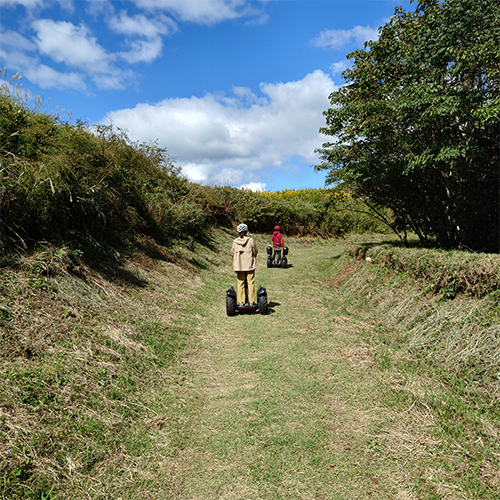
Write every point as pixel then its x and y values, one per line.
pixel 292 404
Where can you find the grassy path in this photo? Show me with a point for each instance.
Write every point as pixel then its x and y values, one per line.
pixel 289 405
pixel 132 383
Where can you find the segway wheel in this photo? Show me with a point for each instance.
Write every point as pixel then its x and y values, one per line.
pixel 230 306
pixel 284 263
pixel 269 261
pixel 262 301
pixel 231 302
pixel 262 305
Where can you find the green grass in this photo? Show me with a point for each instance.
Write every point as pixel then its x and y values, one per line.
pixel 129 381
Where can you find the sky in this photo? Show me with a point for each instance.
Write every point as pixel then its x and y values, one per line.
pixel 235 90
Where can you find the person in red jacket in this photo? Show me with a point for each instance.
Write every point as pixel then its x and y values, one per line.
pixel 278 244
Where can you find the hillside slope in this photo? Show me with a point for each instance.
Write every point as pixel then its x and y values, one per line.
pixel 127 379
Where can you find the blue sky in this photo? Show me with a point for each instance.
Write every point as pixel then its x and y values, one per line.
pixel 234 89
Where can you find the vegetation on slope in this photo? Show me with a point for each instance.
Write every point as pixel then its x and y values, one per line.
pixel 93 189
pixel 129 381
pixel 91 363
pixel 416 127
pixel 67 183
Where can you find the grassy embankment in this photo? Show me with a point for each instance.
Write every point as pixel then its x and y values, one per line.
pixel 129 381
pixel 93 190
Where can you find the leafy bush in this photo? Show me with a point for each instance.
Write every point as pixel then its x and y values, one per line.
pixel 63 182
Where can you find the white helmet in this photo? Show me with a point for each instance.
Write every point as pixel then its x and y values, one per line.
pixel 242 228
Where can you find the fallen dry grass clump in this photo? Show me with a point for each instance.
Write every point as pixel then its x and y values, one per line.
pixel 453 315
pixel 445 305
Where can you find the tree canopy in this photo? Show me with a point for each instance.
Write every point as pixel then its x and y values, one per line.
pixel 416 127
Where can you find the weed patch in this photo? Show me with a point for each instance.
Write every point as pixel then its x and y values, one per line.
pixel 87 361
pixel 453 342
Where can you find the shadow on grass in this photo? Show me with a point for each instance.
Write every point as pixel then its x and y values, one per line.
pixel 271 307
pixel 392 244
pixel 122 275
pixel 108 259
pixel 112 268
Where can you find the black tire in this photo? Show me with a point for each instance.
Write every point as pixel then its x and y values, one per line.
pixel 262 304
pixel 284 263
pixel 269 261
pixel 230 305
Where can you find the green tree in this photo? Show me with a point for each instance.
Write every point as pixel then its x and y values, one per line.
pixel 416 127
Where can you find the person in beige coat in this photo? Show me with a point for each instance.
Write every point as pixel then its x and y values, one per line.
pixel 244 252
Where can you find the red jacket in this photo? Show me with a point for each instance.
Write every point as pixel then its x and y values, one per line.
pixel 278 240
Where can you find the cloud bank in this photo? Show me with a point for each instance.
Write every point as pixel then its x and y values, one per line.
pixel 240 139
pixel 62 54
pixel 43 43
pixel 336 39
pixel 218 139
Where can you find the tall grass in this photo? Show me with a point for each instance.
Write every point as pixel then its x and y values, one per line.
pixel 444 307
pixel 91 186
pixel 70 182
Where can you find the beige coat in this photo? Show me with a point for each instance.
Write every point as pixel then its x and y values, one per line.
pixel 244 252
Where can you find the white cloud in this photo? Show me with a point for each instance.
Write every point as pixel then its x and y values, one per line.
pixel 230 139
pixel 30 4
pixel 114 80
pixel 254 186
pixel 142 26
pixel 143 51
pixel 72 45
pixel 75 46
pixel 150 30
pixel 100 8
pixel 47 77
pixel 339 67
pixel 201 11
pixel 15 54
pixel 14 42
pixel 336 39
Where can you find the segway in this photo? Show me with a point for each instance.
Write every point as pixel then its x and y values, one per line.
pixel 271 262
pixel 232 307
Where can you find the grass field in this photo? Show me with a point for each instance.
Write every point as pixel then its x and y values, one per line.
pixel 131 382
